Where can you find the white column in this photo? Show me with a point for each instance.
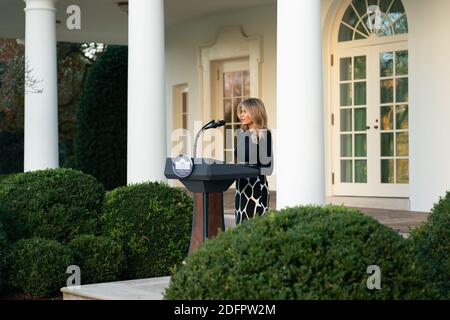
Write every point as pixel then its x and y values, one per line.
pixel 146 107
pixel 41 98
pixel 300 141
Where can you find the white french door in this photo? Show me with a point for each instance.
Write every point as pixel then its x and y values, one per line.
pixel 370 128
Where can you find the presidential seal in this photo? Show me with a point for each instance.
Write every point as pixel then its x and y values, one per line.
pixel 182 166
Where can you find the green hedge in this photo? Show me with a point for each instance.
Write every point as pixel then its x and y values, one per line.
pixel 153 222
pixel 101 126
pixel 54 204
pixel 432 245
pixel 11 152
pixel 38 266
pixel 299 253
pixel 3 177
pixel 100 259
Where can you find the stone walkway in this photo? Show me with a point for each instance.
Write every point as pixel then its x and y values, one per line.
pixel 400 221
pixel 140 289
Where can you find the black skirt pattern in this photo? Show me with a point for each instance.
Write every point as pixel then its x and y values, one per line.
pixel 252 198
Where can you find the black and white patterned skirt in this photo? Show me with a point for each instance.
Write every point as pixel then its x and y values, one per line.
pixel 252 198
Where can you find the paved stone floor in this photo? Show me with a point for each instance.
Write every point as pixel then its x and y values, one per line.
pixel 400 221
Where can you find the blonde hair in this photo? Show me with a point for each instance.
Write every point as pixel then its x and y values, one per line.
pixel 255 107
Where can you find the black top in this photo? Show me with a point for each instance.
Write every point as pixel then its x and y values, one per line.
pixel 255 151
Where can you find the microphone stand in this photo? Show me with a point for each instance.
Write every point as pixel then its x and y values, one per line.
pixel 210 125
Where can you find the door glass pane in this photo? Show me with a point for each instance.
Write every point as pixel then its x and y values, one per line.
pixel 184 102
pixel 360 93
pixel 350 17
pixel 384 5
pixel 237 84
pixel 386 29
pixel 228 137
pixel 387 171
pixel 346 120
pixel 401 25
pixel 346 171
pixel 346 145
pixel 360 6
pixel 402 90
pixel 387 91
pixel 345 33
pixel 387 144
pixel 396 10
pixel 361 171
pixel 227 84
pixel 386 64
pixel 362 34
pixel 372 2
pixel 402 171
pixel 360 119
pixel 402 117
pixel 235 106
pixel 346 69
pixel 401 63
pixel 360 68
pixel 402 144
pixel 184 121
pixel 227 105
pixel 387 122
pixel 246 83
pixel 360 145
pixel 346 94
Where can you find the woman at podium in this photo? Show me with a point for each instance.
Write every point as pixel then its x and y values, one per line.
pixel 254 148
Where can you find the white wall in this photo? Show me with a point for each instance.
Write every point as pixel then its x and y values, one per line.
pixel 429 45
pixel 183 41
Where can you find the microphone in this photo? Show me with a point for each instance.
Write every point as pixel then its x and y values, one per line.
pixel 218 123
pixel 210 125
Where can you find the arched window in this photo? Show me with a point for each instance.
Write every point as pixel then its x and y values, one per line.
pixel 366 18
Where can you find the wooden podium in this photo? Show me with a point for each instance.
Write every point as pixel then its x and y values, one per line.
pixel 208 181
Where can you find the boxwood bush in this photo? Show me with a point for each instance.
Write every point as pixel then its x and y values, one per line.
pixel 11 149
pixel 153 223
pixel 53 204
pixel 299 253
pixel 38 266
pixel 100 259
pixel 432 246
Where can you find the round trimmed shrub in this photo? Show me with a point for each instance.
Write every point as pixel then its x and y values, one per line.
pixel 432 245
pixel 53 204
pixel 298 253
pixel 153 223
pixel 38 266
pixel 101 126
pixel 100 259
